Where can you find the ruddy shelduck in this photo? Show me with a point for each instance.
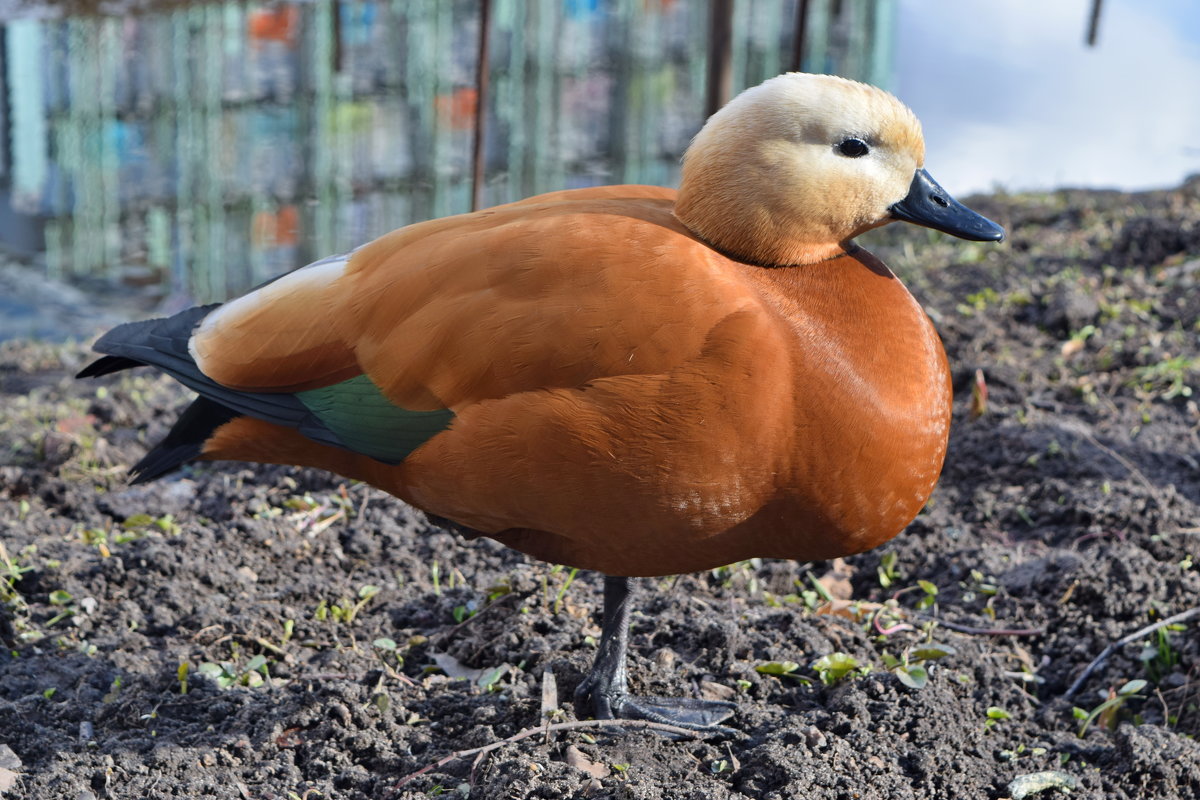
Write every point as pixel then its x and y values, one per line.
pixel 627 378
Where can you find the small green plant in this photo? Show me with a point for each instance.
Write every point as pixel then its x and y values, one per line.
pixel 888 574
pixel 1168 378
pixel 63 600
pixel 11 573
pixel 1107 711
pixel 835 667
pixel 780 669
pixel 929 599
pixel 1020 751
pixel 743 572
pixel 909 667
pixel 464 612
pixel 139 522
pixel 344 611
pixel 226 674
pixel 978 584
pixel 562 590
pixel 995 714
pixel 1159 657
pixel 181 674
pixel 555 574
pixel 387 647
pixel 978 301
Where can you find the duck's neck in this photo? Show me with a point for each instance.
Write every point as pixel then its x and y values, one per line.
pixel 755 233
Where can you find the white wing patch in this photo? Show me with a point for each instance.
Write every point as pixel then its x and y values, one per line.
pixel 310 279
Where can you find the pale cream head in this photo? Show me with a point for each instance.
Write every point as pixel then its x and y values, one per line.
pixel 768 180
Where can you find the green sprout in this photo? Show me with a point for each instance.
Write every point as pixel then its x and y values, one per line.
pixel 888 574
pixel 909 667
pixel 835 667
pixel 1107 711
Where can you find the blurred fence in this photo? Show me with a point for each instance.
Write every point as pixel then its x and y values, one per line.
pixel 205 148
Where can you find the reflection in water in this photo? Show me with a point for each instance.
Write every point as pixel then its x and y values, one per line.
pixel 208 148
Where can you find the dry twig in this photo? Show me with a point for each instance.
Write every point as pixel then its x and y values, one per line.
pixel 635 724
pixel 960 628
pixel 1112 648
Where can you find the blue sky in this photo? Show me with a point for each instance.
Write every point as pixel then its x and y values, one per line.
pixel 1009 95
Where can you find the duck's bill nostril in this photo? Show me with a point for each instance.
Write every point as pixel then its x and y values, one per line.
pixel 928 204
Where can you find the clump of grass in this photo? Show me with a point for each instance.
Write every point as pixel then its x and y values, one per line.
pixel 12 571
pixel 345 611
pixel 1168 379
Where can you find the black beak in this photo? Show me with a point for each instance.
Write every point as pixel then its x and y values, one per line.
pixel 928 204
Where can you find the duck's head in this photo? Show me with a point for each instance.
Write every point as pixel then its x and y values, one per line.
pixel 792 169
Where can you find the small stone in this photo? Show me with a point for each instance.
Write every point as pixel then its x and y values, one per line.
pixel 814 737
pixel 1070 308
pixel 341 713
pixel 716 691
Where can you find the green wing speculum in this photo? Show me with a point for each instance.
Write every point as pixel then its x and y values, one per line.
pixel 366 421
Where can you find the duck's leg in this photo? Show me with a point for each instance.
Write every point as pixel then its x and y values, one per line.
pixel 604 691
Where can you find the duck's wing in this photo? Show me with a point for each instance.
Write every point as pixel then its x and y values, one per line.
pixel 377 351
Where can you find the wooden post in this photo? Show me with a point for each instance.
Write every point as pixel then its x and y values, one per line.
pixel 478 154
pixel 797 64
pixel 1094 23
pixel 720 55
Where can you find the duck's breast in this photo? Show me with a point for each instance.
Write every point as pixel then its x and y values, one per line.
pixel 872 403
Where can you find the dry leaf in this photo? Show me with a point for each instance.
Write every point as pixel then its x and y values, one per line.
pixel 1070 347
pixel 8 779
pixel 577 759
pixel 979 395
pixel 850 609
pixel 837 580
pixel 549 694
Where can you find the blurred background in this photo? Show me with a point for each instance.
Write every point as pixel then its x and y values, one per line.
pixel 184 152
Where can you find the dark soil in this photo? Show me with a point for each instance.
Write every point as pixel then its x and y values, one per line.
pixel 1069 508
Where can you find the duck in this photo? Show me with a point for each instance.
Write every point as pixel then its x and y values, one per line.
pixel 628 379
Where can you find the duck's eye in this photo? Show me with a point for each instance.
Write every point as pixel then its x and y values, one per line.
pixel 852 148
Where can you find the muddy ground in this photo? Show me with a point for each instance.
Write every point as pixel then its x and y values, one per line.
pixel 242 632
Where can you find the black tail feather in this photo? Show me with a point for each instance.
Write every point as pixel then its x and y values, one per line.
pixel 185 440
pixel 106 365
pixel 163 344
